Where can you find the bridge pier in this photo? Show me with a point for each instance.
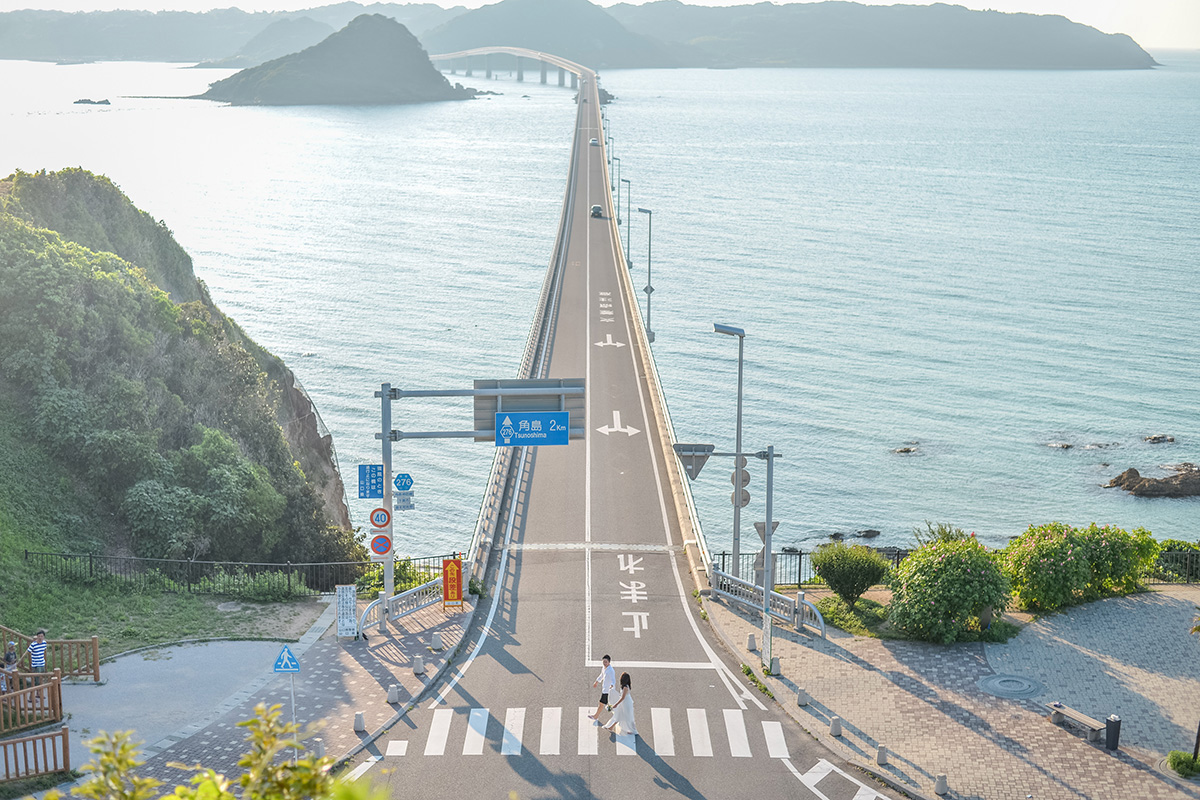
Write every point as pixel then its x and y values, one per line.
pixel 467 69
pixel 543 63
pixel 574 81
pixel 487 60
pixel 562 77
pixel 520 71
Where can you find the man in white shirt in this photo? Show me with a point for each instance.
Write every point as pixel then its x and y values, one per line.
pixel 607 681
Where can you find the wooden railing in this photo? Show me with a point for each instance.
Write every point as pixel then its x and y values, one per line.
pixel 77 658
pixel 35 700
pixel 30 756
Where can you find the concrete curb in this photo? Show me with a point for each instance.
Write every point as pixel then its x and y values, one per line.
pixel 830 743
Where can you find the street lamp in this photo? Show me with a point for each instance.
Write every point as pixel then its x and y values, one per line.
pixel 628 196
pixel 618 161
pixel 649 287
pixel 739 461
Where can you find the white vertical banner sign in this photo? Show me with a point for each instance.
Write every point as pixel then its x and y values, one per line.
pixel 347 610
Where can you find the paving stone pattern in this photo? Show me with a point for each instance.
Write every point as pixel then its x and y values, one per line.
pixel 921 701
pixel 338 678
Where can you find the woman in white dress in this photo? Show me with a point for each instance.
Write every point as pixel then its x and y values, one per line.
pixel 622 719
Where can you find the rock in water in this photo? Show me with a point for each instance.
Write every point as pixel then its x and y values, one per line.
pixel 1184 483
pixel 372 61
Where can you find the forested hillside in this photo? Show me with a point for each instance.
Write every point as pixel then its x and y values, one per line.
pixel 152 403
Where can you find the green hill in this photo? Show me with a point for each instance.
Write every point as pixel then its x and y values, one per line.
pixel 372 61
pixel 149 411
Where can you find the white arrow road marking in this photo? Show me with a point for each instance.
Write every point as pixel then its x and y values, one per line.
pixel 608 342
pixel 616 426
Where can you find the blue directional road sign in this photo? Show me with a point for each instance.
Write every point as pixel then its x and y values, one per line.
pixel 286 661
pixel 403 482
pixel 370 481
pixel 524 428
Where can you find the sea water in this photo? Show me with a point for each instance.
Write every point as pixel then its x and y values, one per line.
pixel 984 267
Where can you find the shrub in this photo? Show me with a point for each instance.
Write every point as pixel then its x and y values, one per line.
pixel 1183 763
pixel 1177 561
pixel 849 569
pixel 942 586
pixel 1055 565
pixel 941 532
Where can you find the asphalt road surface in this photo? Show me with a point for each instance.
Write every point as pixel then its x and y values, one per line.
pixel 595 566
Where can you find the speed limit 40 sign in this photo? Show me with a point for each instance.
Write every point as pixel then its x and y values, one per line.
pixel 381 518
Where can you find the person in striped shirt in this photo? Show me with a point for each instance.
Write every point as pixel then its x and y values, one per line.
pixel 37 652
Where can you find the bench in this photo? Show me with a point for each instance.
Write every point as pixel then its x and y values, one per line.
pixel 1060 712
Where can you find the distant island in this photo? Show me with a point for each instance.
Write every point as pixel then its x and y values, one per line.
pixel 372 61
pixel 661 34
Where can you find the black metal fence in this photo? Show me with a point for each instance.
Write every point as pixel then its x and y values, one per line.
pixel 795 568
pixel 256 581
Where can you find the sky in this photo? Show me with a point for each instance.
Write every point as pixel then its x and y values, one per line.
pixel 1153 23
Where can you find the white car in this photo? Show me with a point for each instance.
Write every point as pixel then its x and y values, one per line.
pixel 595 142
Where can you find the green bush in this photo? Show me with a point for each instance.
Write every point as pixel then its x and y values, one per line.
pixel 939 590
pixel 940 532
pixel 1177 561
pixel 1055 565
pixel 849 569
pixel 1183 763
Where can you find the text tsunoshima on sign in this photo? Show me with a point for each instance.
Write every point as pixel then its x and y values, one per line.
pixel 526 428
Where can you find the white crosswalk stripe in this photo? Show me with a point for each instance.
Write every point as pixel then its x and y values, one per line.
pixel 592 739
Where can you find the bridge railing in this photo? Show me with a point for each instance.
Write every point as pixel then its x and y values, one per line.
pixel 795 611
pixel 488 523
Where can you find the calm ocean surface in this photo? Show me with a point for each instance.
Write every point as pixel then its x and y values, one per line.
pixel 981 263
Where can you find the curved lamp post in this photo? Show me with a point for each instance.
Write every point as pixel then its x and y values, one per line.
pixel 649 290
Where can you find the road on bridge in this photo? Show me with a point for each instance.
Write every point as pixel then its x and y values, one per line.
pixel 595 566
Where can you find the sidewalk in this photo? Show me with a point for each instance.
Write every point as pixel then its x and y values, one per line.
pixel 1130 656
pixel 185 701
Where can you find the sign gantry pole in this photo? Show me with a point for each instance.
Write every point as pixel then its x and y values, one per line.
pixel 385 435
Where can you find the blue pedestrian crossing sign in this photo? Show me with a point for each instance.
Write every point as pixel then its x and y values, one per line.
pixel 286 661
pixel 403 482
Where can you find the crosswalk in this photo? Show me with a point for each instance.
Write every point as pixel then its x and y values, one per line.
pixel 699 734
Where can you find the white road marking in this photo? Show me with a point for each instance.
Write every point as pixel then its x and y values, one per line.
pixel 476 732
pixel 616 426
pixel 589 733
pixel 397 748
pixel 608 342
pixel 735 728
pixel 514 728
pixel 551 732
pixel 626 744
pixel 776 744
pixel 358 771
pixel 439 731
pixel 698 726
pixel 658 665
pixel 664 739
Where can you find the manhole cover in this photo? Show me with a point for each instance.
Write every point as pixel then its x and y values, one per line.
pixel 1013 687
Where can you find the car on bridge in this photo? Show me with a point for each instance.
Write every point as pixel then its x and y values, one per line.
pixel 597 211
pixel 594 143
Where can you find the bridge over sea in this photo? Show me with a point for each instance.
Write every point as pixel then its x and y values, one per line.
pixel 594 549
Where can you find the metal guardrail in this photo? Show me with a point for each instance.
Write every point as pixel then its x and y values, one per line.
pixel 795 611
pixel 31 756
pixel 400 605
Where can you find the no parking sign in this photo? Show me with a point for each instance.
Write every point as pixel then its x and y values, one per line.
pixel 381 546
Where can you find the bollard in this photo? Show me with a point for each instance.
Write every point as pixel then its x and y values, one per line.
pixel 750 643
pixel 436 642
pixel 775 665
pixel 1112 732
pixel 318 748
pixel 835 726
pixel 939 785
pixel 360 722
pixel 418 665
pixel 801 697
pixel 881 756
pixel 394 693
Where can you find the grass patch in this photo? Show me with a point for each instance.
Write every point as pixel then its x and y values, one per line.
pixel 13 789
pixel 869 618
pixel 1183 764
pixel 749 673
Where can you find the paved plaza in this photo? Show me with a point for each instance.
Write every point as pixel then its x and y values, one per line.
pixel 1130 656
